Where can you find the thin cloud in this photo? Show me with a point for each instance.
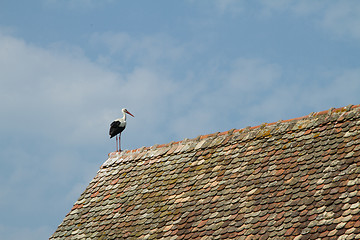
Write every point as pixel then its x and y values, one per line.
pixel 143 50
pixel 76 4
pixel 229 6
pixel 221 7
pixel 339 18
pixel 12 232
pixel 45 88
pixel 343 19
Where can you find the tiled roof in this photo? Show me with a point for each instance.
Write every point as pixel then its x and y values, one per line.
pixel 294 179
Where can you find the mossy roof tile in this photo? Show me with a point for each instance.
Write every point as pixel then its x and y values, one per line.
pixel 295 179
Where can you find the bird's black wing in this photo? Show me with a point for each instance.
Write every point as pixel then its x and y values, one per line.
pixel 114 128
pixel 115 124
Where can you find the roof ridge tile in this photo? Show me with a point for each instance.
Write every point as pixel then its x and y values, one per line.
pixel 244 134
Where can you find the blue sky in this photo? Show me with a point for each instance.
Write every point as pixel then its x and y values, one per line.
pixel 183 68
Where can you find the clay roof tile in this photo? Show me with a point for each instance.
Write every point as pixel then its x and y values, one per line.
pixel 292 179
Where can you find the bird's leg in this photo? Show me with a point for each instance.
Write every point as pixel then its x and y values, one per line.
pixel 120 142
pixel 116 143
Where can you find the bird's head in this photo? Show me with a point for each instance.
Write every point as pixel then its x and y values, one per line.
pixel 124 110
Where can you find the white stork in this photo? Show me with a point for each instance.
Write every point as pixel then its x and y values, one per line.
pixel 117 126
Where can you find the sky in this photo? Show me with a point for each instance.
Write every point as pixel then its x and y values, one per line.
pixel 182 68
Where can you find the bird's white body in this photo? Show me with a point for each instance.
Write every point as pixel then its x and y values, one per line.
pixel 123 119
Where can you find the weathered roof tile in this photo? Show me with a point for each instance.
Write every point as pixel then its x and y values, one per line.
pixel 293 179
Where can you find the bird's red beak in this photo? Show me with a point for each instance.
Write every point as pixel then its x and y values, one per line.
pixel 129 113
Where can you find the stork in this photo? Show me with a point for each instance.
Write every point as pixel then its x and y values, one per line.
pixel 117 126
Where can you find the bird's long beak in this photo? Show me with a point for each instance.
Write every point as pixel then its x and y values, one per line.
pixel 129 113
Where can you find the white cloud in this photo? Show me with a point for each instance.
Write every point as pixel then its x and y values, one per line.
pixel 252 75
pixel 78 98
pixel 229 6
pixel 300 8
pixel 294 98
pixel 343 19
pixel 144 50
pixel 53 104
pixel 183 107
pixel 340 18
pixel 232 91
pixel 343 88
pixel 221 7
pixel 49 91
pixel 70 100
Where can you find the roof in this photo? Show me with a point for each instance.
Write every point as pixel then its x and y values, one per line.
pixel 293 179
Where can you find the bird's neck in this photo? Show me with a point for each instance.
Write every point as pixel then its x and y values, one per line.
pixel 124 117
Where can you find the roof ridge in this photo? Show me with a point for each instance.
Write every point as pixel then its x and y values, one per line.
pixel 243 134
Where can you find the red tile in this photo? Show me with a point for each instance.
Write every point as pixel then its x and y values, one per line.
pixel 264 182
